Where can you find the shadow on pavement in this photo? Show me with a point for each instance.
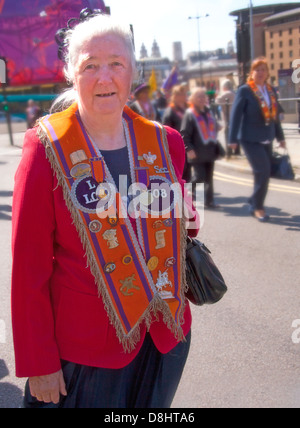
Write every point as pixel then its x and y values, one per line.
pixel 5 210
pixel 238 207
pixel 10 395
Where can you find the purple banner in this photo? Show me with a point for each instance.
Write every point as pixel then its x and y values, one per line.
pixel 27 30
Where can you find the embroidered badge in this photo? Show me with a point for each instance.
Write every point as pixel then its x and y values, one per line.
pixel 128 285
pixel 78 156
pixel 152 263
pixel 149 158
pixel 127 260
pixel 160 239
pixel 163 282
pixel 110 236
pixel 83 194
pixel 80 170
pixel 95 226
pixel 110 267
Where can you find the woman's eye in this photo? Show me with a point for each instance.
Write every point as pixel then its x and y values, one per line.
pixel 117 64
pixel 90 67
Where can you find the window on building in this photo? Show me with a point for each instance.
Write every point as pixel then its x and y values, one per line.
pixel 291 42
pixel 271 45
pixel 290 31
pixel 280 44
pixel 280 54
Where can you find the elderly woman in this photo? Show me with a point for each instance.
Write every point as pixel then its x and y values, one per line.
pixel 100 317
pixel 178 104
pixel 255 123
pixel 199 131
pixel 143 104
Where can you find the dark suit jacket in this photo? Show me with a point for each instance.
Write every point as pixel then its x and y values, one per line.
pixel 247 121
pixel 193 141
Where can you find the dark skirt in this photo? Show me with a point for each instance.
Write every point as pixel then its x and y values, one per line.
pixel 149 381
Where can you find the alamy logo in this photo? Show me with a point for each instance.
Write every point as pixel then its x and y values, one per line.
pixel 2 332
pixel 296 72
pixel 2 71
pixel 296 332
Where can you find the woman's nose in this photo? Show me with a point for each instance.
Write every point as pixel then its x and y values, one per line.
pixel 104 75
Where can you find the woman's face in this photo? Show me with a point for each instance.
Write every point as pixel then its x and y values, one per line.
pixel 200 100
pixel 103 75
pixel 260 74
pixel 180 99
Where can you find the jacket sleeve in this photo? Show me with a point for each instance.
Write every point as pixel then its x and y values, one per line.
pixel 278 128
pixel 177 153
pixel 187 130
pixel 33 228
pixel 237 113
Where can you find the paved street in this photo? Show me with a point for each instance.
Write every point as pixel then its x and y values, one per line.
pixel 242 353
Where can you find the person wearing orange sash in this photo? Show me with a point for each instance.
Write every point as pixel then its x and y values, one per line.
pixel 99 313
pixel 255 124
pixel 178 104
pixel 199 131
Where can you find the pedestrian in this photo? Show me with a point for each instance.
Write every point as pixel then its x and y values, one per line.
pixel 100 317
pixel 199 131
pixel 178 104
pixel 143 104
pixel 225 99
pixel 255 123
pixel 160 104
pixel 33 112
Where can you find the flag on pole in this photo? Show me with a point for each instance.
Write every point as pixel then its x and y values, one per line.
pixel 152 82
pixel 171 80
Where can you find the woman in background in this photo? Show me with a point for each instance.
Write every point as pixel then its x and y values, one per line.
pixel 255 123
pixel 199 131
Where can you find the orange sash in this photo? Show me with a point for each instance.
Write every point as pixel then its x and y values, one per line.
pixel 138 275
pixel 269 113
pixel 207 129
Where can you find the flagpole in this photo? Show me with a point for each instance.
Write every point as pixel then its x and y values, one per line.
pixel 251 31
pixel 198 27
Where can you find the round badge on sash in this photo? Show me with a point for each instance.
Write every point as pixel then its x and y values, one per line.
pixel 83 194
pixel 163 196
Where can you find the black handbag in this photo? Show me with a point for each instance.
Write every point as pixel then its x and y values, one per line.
pixel 205 282
pixel 281 166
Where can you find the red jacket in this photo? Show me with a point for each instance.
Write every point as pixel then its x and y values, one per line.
pixel 56 311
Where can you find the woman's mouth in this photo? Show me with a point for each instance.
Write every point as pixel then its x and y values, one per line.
pixel 106 95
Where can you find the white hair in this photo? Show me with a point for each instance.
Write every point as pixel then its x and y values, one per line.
pixel 77 37
pixel 195 91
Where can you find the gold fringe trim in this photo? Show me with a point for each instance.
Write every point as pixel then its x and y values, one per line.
pixel 156 306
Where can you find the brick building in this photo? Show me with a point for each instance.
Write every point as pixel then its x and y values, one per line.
pixel 282 35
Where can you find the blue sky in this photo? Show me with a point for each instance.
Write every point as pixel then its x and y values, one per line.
pixel 167 21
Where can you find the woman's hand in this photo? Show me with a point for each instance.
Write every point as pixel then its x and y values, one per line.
pixel 191 154
pixel 48 388
pixel 233 146
pixel 282 144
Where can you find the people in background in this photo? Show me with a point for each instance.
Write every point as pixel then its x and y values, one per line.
pixel 143 104
pixel 255 124
pixel 199 130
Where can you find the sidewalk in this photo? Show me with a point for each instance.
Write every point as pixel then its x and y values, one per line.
pixel 292 138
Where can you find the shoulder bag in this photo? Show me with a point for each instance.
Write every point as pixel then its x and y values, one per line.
pixel 205 282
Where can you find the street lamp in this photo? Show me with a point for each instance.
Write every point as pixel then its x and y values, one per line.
pixel 198 27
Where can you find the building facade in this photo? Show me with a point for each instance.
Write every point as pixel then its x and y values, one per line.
pixel 260 16
pixel 282 34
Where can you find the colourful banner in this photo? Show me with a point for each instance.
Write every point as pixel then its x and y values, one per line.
pixel 27 33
